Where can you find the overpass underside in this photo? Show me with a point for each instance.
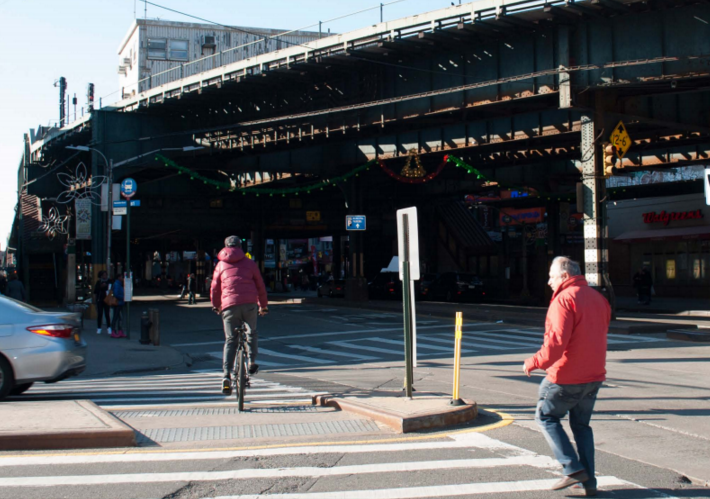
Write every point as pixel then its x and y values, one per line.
pixel 522 95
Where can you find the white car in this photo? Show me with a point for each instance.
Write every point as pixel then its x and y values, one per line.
pixel 37 346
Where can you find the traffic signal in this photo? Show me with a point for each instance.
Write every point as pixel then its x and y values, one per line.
pixel 609 159
pixel 90 97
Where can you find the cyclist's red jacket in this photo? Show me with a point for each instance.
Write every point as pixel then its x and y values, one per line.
pixel 577 322
pixel 236 280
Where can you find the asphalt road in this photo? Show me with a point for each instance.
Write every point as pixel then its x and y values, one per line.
pixel 652 426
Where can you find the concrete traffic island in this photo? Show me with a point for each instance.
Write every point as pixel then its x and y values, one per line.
pixel 70 424
pixel 404 415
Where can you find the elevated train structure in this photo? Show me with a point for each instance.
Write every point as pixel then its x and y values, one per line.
pixel 506 104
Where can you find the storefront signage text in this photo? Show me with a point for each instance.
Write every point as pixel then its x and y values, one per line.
pixel 511 216
pixel 666 218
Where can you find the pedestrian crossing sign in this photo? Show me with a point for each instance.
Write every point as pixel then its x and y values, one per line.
pixel 620 139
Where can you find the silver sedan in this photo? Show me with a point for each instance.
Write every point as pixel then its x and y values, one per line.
pixel 37 346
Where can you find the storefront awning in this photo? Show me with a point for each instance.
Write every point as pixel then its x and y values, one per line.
pixel 701 232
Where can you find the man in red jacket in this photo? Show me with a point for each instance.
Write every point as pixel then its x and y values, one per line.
pixel 574 356
pixel 238 293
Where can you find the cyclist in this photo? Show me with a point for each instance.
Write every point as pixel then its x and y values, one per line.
pixel 238 294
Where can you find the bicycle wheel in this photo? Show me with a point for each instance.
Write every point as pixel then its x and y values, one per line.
pixel 241 378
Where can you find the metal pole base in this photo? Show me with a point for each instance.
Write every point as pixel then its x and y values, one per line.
pixel 456 402
pixel 405 389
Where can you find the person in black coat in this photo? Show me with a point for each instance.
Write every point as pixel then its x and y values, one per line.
pixel 643 282
pixel 102 310
pixel 191 288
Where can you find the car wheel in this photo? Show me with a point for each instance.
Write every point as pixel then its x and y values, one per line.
pixel 20 389
pixel 449 296
pixel 6 378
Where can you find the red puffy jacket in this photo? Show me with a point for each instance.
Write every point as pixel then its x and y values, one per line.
pixel 577 322
pixel 236 280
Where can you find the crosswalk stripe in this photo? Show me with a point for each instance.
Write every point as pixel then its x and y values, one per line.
pixel 249 397
pixel 537 461
pixel 436 490
pixel 419 344
pixel 262 362
pixel 345 344
pixel 330 352
pixel 196 388
pixel 312 360
pixel 458 441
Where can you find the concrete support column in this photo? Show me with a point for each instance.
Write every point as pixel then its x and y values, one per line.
pixel 594 187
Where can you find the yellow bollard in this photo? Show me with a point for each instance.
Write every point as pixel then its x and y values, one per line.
pixel 455 400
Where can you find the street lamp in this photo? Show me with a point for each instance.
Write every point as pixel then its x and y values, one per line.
pixel 110 166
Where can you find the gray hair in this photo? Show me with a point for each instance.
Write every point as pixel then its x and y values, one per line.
pixel 566 264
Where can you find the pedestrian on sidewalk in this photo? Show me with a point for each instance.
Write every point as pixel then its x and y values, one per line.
pixel 643 282
pixel 3 283
pixel 15 288
pixel 238 294
pixel 191 288
pixel 117 323
pixel 574 356
pixel 102 310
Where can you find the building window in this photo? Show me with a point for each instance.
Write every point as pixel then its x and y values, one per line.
pixel 178 50
pixel 157 48
pixel 670 269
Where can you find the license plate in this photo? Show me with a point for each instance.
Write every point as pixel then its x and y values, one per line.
pixel 471 286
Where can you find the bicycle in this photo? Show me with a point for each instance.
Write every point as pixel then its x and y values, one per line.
pixel 240 378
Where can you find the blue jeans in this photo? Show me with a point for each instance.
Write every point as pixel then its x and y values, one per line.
pixel 554 402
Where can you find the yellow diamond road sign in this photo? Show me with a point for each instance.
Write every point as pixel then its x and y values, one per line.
pixel 620 139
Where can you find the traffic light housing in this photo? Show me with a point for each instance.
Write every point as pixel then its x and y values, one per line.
pixel 609 159
pixel 90 97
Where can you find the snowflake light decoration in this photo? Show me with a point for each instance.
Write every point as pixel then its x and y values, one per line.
pixel 54 224
pixel 80 186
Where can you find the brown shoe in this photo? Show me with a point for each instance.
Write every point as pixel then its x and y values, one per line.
pixel 569 480
pixel 589 492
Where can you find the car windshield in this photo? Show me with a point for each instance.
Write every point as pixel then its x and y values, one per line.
pixel 7 303
pixel 466 278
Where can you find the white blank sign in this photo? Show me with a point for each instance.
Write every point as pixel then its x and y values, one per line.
pixel 413 242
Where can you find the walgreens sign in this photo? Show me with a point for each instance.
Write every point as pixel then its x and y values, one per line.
pixel 666 218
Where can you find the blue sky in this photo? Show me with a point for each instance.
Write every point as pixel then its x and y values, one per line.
pixel 78 39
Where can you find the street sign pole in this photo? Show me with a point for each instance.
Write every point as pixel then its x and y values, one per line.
pixel 127 270
pixel 409 370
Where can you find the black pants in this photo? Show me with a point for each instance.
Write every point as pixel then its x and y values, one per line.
pixel 103 311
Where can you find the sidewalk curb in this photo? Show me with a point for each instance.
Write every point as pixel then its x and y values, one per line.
pixel 400 423
pixel 114 434
pixel 694 336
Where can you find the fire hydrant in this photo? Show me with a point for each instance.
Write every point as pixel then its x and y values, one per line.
pixel 145 328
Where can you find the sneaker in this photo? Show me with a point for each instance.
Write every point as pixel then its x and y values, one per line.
pixel 110 332
pixel 253 369
pixel 226 386
pixel 115 335
pixel 569 480
pixel 120 334
pixel 98 331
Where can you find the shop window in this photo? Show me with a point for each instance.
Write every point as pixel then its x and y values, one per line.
pixel 483 266
pixel 178 50
pixel 157 48
pixel 697 267
pixel 493 265
pixel 670 269
pixel 294 203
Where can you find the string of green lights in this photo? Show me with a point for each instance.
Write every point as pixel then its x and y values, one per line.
pixel 531 192
pixel 228 186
